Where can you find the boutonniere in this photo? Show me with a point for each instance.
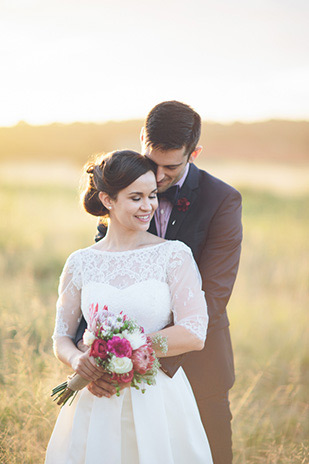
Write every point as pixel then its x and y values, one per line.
pixel 183 204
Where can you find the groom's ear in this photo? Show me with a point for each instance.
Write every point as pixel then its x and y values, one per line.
pixel 195 154
pixel 142 135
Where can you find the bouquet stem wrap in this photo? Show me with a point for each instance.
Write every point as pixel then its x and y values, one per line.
pixel 67 389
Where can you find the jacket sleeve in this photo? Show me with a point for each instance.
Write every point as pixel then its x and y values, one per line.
pixel 218 265
pixel 101 231
pixel 219 260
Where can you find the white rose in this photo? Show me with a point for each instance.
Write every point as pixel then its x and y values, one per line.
pixel 120 365
pixel 136 339
pixel 88 337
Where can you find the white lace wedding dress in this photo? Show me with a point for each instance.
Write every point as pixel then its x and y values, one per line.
pixel 151 285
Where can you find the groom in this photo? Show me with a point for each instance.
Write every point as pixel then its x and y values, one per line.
pixel 205 213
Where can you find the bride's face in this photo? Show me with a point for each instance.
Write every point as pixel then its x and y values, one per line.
pixel 135 205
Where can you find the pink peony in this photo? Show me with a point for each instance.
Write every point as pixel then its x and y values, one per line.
pixel 99 349
pixel 123 378
pixel 120 347
pixel 143 359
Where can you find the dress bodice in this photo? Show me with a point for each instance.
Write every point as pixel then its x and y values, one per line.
pixel 154 285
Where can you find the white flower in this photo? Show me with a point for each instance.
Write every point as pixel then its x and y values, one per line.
pixel 88 337
pixel 111 320
pixel 136 339
pixel 120 365
pixel 118 324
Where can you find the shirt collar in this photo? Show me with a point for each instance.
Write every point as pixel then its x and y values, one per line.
pixel 183 178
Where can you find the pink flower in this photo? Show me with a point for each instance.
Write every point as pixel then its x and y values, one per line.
pixel 120 347
pixel 94 308
pixel 99 349
pixel 94 315
pixel 183 204
pixel 123 378
pixel 143 359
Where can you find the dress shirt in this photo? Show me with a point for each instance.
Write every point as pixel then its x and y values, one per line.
pixel 163 212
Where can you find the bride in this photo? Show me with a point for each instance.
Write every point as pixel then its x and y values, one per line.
pixel 153 281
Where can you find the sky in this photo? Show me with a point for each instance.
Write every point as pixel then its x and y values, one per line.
pixel 100 60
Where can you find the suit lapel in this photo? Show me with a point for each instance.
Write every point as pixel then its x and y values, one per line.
pixel 152 228
pixel 189 192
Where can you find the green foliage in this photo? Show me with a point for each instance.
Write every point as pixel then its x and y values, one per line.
pixel 268 312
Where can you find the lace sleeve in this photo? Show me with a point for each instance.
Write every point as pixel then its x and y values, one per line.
pixel 69 313
pixel 188 300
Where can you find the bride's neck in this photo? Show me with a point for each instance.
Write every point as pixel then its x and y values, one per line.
pixel 120 239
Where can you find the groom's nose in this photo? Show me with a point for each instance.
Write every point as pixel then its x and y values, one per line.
pixel 160 174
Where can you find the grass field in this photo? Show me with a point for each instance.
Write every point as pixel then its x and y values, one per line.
pixel 41 223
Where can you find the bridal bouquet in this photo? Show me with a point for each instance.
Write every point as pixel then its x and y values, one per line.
pixel 119 345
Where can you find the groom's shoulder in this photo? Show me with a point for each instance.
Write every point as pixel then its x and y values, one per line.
pixel 211 186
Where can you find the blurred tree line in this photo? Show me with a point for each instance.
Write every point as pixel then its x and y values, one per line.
pixel 274 140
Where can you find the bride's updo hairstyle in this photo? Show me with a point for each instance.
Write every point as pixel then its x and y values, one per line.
pixel 111 173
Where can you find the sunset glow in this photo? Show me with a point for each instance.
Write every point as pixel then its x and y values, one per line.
pixel 103 60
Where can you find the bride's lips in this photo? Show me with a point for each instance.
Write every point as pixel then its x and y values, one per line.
pixel 144 217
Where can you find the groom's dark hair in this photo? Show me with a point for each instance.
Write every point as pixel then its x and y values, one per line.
pixel 172 125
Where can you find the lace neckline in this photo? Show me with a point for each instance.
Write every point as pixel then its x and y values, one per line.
pixel 127 251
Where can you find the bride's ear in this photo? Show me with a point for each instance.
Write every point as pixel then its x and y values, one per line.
pixel 105 200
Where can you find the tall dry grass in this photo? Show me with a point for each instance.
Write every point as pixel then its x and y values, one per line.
pixel 42 223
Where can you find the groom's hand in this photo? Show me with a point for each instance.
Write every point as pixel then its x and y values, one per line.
pixel 104 386
pixel 80 345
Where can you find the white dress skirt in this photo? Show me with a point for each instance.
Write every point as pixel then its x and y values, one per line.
pixel 162 425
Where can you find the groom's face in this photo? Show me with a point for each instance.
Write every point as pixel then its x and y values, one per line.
pixel 171 165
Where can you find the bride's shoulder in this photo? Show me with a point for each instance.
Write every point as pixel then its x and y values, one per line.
pixel 152 240
pixel 177 246
pixel 77 255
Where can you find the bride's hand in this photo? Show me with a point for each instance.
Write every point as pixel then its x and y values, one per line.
pixel 86 367
pixel 104 386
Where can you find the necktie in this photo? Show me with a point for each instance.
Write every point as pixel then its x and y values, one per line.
pixel 170 194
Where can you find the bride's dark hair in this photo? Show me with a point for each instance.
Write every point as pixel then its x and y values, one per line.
pixel 111 173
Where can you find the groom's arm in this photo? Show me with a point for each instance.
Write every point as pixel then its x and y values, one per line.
pixel 101 231
pixel 218 265
pixel 219 260
pixel 80 332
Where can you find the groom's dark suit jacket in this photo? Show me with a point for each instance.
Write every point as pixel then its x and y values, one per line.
pixel 211 227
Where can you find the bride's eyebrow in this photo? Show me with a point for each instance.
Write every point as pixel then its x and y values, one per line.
pixel 141 193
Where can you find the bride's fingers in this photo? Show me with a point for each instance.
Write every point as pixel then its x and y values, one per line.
pixel 88 361
pixel 98 369
pixel 94 371
pixel 88 374
pixel 100 388
pixel 86 369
